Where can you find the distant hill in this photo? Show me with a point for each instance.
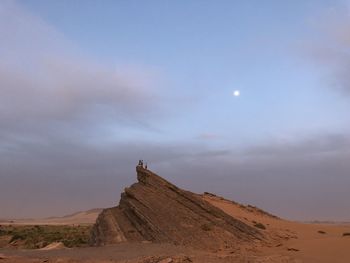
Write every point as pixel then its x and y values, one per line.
pixel 82 218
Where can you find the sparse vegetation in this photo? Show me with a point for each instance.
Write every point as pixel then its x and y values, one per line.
pixel 32 237
pixel 321 232
pixel 346 234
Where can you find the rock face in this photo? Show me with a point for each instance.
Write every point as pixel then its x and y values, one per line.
pixel 154 210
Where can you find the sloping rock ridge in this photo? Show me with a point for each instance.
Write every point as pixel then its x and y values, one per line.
pixel 154 210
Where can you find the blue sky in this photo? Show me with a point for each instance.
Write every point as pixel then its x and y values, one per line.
pixel 201 51
pixel 154 80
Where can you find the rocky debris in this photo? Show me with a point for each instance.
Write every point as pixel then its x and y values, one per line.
pixel 174 259
pixel 292 249
pixel 155 210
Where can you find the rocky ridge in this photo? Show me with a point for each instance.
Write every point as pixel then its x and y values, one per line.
pixel 154 210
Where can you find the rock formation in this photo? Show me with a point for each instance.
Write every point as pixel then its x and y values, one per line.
pixel 154 210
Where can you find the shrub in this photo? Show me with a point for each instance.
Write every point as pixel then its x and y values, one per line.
pixel 17 237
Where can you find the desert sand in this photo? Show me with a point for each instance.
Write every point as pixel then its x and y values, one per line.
pixel 256 235
pixel 298 241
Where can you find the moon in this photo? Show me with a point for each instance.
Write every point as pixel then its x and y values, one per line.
pixel 236 93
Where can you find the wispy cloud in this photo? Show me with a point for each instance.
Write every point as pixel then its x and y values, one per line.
pixel 44 79
pixel 313 145
pixel 329 47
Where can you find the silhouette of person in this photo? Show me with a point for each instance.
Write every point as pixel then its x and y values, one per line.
pixel 146 166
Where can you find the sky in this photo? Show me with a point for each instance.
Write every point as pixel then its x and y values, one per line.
pixel 87 88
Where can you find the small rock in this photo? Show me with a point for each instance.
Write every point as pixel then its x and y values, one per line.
pixel 292 249
pixel 278 245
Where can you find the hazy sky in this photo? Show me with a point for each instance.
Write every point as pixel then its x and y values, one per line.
pixel 87 88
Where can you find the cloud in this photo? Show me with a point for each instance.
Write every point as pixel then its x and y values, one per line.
pixel 315 145
pixel 51 95
pixel 60 177
pixel 301 179
pixel 329 46
pixel 298 179
pixel 43 79
pixel 58 110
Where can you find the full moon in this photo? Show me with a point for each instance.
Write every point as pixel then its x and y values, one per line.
pixel 236 93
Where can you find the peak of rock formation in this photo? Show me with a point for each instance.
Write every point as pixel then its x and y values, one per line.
pixel 154 210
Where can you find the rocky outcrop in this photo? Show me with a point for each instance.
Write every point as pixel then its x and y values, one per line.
pixel 157 211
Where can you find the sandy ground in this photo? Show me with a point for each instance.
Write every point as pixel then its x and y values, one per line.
pixel 132 253
pixel 287 241
pixel 119 253
pixel 302 242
